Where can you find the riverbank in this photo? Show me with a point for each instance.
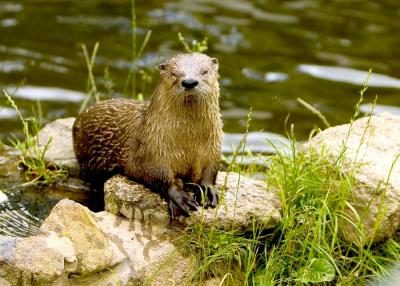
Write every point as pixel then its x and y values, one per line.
pixel 338 219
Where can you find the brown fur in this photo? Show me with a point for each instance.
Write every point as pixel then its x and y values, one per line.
pixel 174 137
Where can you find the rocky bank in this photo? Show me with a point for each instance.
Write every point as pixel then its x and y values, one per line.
pixel 132 242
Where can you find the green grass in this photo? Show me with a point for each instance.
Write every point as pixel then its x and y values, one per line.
pixel 37 170
pixel 306 248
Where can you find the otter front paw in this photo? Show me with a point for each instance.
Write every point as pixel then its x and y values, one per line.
pixel 206 197
pixel 180 202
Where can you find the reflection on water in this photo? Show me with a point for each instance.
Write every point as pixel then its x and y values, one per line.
pixel 340 74
pixel 46 94
pixel 379 108
pixel 271 52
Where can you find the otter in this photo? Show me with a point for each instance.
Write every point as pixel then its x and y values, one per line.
pixel 170 142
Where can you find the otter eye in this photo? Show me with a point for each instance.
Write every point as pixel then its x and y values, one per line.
pixel 204 72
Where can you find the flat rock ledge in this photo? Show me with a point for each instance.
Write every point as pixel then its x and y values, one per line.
pixel 243 201
pixel 372 144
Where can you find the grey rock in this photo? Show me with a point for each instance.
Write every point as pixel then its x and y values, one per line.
pixel 372 145
pixel 391 278
pixel 37 260
pixel 242 202
pixel 57 136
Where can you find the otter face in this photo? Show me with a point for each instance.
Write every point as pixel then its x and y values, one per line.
pixel 191 75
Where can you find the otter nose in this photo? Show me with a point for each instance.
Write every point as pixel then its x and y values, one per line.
pixel 189 83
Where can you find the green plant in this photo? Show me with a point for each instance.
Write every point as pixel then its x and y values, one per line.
pixel 32 155
pixel 306 248
pixel 194 46
pixel 131 78
pixel 91 87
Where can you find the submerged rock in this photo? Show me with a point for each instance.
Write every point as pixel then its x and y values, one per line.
pixel 369 150
pixel 243 201
pixel 256 142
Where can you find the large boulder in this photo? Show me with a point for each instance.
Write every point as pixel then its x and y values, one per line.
pixel 369 150
pixel 78 247
pixel 93 249
pixel 243 201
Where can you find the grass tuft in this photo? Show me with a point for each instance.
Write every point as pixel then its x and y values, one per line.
pixel 306 248
pixel 37 171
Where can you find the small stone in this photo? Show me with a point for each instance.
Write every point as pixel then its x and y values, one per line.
pixel 56 137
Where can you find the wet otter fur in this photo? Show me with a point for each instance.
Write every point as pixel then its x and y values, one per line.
pixel 172 140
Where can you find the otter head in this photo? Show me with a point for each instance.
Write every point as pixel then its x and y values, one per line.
pixel 190 76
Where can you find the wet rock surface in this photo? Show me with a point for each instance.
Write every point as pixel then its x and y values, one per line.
pixel 242 202
pixel 371 156
pixel 151 256
pixel 78 247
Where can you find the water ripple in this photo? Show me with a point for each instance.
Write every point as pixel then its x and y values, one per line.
pixel 47 94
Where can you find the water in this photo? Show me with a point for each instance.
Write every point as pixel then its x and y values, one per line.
pixel 23 207
pixel 270 52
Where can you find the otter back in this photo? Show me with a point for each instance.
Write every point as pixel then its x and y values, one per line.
pixel 101 136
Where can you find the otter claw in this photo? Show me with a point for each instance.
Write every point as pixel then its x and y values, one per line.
pixel 180 202
pixel 207 197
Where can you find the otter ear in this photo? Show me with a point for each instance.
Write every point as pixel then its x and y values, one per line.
pixel 162 66
pixel 215 62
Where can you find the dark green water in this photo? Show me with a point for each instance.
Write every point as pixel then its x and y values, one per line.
pixel 270 53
